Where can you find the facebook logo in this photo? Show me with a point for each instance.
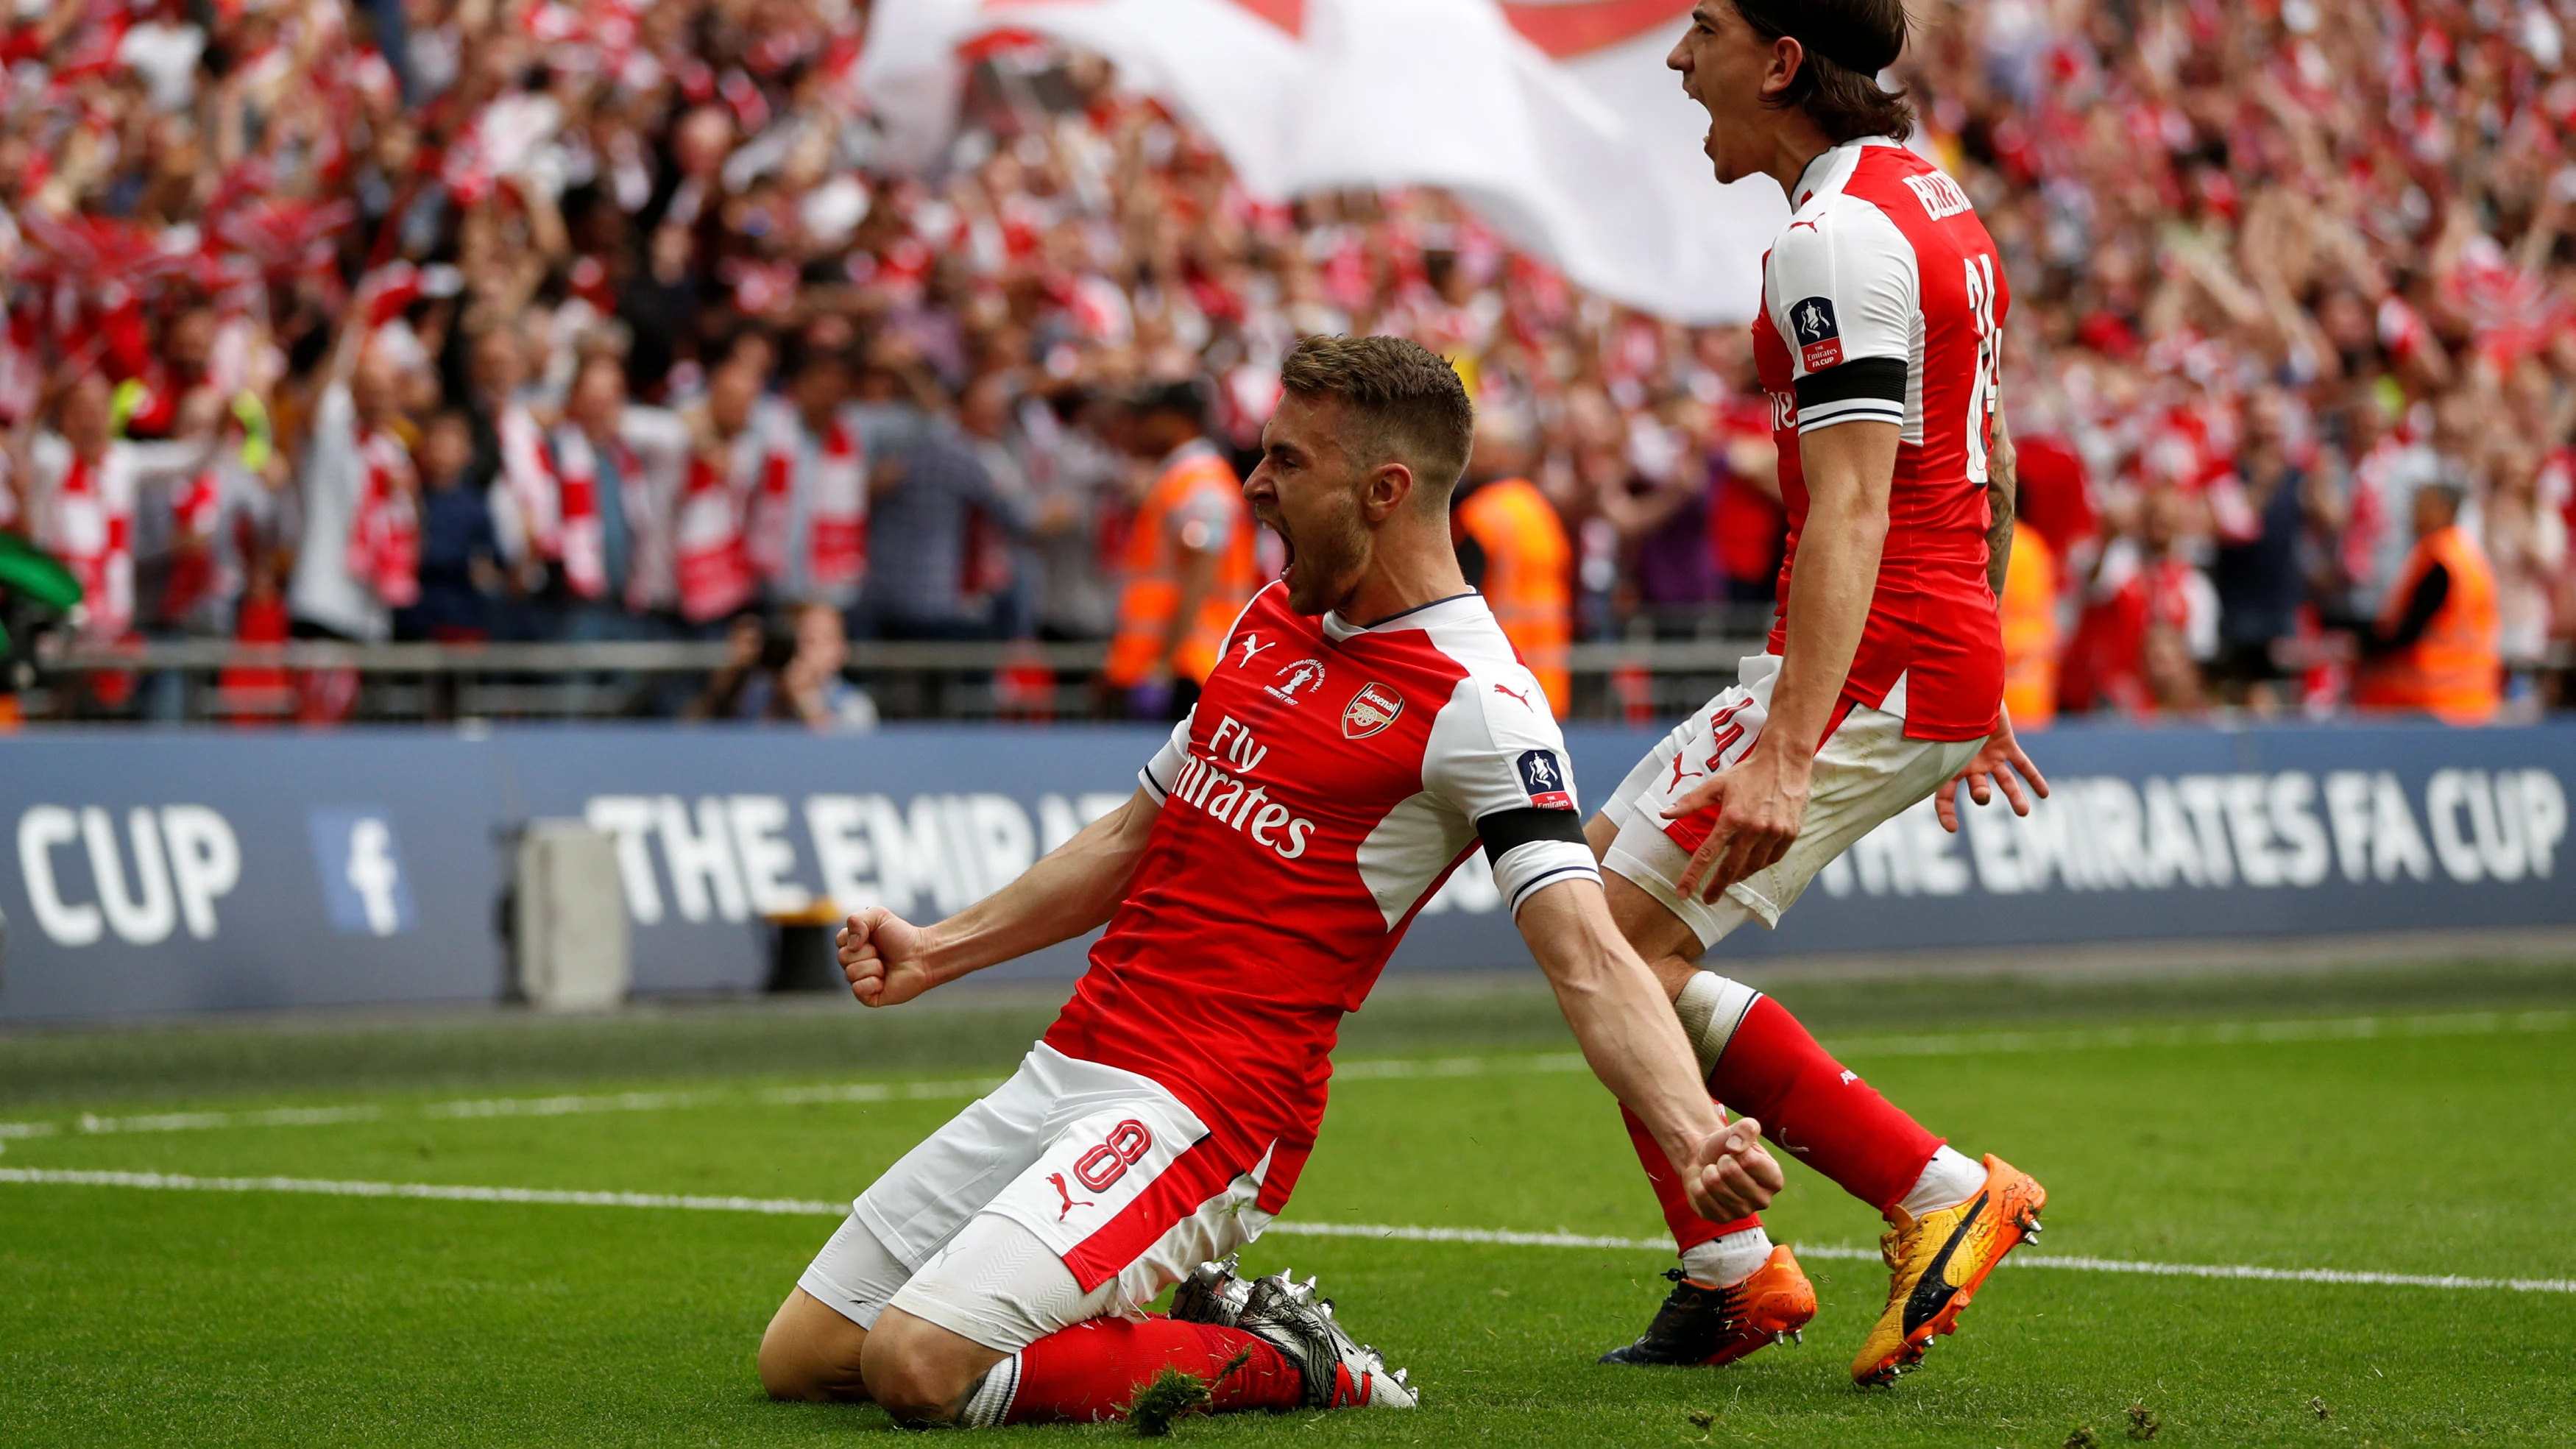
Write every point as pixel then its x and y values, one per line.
pixel 363 883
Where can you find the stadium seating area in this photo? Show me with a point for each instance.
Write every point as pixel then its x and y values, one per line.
pixel 2276 268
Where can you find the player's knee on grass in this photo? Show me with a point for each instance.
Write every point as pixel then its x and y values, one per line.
pixel 811 1353
pixel 918 1371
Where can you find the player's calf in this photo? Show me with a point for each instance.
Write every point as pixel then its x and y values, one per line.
pixel 920 1372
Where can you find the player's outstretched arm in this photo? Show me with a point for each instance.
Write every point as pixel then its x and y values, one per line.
pixel 1635 1045
pixel 1074 889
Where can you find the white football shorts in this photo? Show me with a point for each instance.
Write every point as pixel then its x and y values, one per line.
pixel 1867 772
pixel 1073 1191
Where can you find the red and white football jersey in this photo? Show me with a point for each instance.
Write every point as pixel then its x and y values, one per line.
pixel 1328 781
pixel 1883 300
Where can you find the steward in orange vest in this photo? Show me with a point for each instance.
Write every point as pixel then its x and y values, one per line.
pixel 2029 609
pixel 1513 548
pixel 1189 565
pixel 2434 649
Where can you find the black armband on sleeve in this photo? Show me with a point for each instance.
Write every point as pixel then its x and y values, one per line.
pixel 1865 388
pixel 1506 830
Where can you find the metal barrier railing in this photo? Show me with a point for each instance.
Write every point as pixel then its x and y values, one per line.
pixel 223 678
pixel 1655 656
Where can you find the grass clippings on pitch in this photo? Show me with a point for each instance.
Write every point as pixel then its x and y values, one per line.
pixel 153 1317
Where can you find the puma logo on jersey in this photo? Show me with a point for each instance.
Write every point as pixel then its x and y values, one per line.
pixel 1067 1194
pixel 1939 194
pixel 1675 782
pixel 1514 693
pixel 1305 674
pixel 1251 645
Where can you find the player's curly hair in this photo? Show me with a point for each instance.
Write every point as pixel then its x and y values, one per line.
pixel 1848 42
pixel 1407 402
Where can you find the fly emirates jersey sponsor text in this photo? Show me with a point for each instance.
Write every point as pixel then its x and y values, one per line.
pixel 1883 299
pixel 1328 781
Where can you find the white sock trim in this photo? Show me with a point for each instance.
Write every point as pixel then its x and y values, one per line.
pixel 1949 1179
pixel 990 1401
pixel 1711 1008
pixel 1729 1258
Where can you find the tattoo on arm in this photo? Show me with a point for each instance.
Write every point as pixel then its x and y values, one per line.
pixel 2003 499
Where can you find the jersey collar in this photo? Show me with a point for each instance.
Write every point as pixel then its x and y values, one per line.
pixel 1820 170
pixel 1420 616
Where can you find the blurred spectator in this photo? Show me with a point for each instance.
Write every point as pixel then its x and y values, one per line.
pixel 1189 562
pixel 2262 510
pixel 1514 551
pixel 918 535
pixel 460 550
pixel 2434 647
pixel 791 674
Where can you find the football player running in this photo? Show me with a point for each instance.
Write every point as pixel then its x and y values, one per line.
pixel 1882 313
pixel 1366 729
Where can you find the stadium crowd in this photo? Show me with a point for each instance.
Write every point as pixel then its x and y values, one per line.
pixel 598 320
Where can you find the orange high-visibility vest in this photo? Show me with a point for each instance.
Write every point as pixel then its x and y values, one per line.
pixel 2454 671
pixel 1153 573
pixel 2029 609
pixel 1528 577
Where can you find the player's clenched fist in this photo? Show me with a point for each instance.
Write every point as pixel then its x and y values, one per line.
pixel 882 955
pixel 1736 1175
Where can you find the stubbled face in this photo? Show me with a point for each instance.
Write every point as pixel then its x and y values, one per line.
pixel 86 414
pixel 1723 65
pixel 730 394
pixel 598 397
pixel 1307 491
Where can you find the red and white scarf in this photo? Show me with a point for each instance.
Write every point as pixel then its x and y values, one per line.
pixel 836 511
pixel 92 529
pixel 583 538
pixel 384 531
pixel 713 564
pixel 531 484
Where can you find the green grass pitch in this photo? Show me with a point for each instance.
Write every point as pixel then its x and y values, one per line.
pixel 2444 1145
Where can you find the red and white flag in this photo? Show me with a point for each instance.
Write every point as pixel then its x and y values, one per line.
pixel 1555 118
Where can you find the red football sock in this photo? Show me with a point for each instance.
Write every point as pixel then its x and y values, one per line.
pixel 1093 1370
pixel 1689 1228
pixel 1826 1117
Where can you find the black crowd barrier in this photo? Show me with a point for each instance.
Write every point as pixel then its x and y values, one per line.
pixel 202 871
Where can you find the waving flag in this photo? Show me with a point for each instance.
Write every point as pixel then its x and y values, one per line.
pixel 1555 118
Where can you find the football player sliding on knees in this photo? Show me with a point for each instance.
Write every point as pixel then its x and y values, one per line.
pixel 1882 317
pixel 1366 730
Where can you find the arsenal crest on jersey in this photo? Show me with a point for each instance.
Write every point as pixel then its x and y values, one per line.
pixel 1372 709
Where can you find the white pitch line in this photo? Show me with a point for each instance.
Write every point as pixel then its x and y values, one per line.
pixel 2216 1033
pixel 442 1192
pixel 2213 1033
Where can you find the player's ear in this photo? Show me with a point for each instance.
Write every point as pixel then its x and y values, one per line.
pixel 1787 57
pixel 1389 486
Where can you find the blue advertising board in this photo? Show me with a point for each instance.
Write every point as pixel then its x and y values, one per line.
pixel 169 872
pixel 158 873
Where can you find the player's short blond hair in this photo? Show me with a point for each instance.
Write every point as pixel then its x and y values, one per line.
pixel 1406 404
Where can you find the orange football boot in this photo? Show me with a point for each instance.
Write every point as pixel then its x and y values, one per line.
pixel 1938 1261
pixel 1704 1326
